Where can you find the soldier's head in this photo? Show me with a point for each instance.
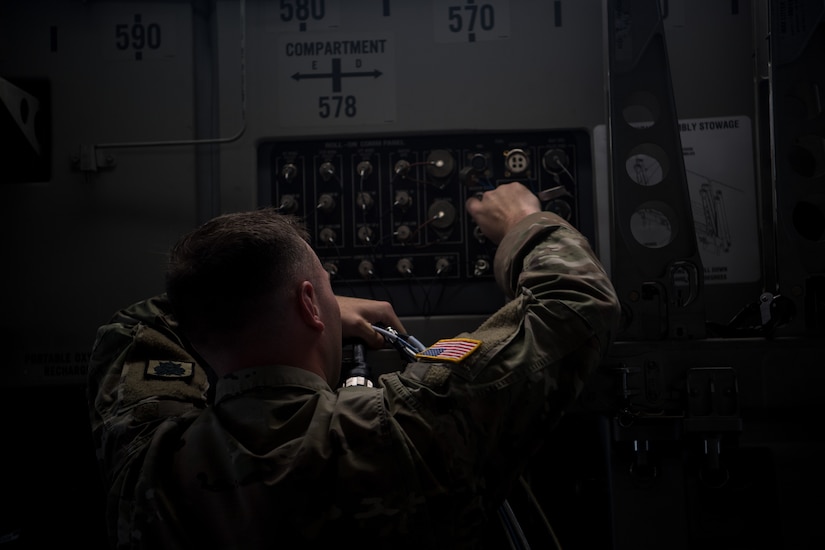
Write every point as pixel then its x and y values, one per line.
pixel 247 287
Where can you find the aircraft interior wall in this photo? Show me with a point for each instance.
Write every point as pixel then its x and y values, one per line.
pixel 683 137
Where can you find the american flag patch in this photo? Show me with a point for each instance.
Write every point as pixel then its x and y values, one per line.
pixel 170 370
pixel 453 349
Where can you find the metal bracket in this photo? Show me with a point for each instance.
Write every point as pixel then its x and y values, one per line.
pixel 713 400
pixel 92 159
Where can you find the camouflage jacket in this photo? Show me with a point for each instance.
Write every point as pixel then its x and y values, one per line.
pixel 278 459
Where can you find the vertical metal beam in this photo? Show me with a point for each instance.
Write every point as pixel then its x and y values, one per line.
pixel 656 268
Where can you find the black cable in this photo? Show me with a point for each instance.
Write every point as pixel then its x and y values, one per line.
pixel 355 371
pixel 511 525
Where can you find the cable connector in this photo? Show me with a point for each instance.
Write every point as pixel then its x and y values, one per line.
pixel 406 344
pixel 356 370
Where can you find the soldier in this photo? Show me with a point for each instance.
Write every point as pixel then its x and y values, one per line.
pixel 219 419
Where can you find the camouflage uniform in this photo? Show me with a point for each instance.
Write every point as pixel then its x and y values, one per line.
pixel 278 459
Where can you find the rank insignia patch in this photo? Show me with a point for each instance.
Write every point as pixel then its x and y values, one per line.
pixel 170 370
pixel 453 349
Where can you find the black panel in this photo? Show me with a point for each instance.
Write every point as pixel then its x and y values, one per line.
pixel 387 216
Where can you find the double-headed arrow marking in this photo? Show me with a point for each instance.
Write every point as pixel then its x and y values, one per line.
pixel 336 75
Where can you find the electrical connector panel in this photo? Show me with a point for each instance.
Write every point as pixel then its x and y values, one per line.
pixel 386 214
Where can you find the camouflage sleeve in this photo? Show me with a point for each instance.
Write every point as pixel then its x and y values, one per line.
pixel 544 252
pixel 140 378
pixel 562 301
pixel 534 357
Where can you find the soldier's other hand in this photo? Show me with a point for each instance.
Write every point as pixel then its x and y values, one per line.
pixel 497 211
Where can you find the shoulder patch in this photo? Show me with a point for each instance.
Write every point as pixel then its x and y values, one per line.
pixel 169 369
pixel 454 350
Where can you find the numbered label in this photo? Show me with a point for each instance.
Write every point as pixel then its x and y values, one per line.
pixel 471 20
pixel 302 10
pixel 302 15
pixel 139 37
pixel 337 106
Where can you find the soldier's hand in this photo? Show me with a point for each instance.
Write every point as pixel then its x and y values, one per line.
pixel 497 211
pixel 359 314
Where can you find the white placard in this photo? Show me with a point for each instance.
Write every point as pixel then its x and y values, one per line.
pixel 333 79
pixel 719 166
pixel 471 20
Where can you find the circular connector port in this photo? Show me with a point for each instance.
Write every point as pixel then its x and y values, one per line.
pixel 289 204
pixel 364 200
pixel 327 171
pixel 481 267
pixel 442 266
pixel 478 162
pixel 441 214
pixel 440 164
pixel 326 203
pixel 404 266
pixel 402 199
pixel 366 269
pixel 403 233
pixel 401 168
pixel 517 161
pixel 289 171
pixel 327 236
pixel 365 234
pixel 364 168
pixel 555 161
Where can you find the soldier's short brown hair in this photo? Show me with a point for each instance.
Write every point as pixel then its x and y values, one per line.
pixel 218 273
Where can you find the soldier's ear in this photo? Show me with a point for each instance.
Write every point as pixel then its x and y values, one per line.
pixel 308 306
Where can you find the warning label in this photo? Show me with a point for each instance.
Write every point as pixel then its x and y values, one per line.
pixel 719 166
pixel 45 367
